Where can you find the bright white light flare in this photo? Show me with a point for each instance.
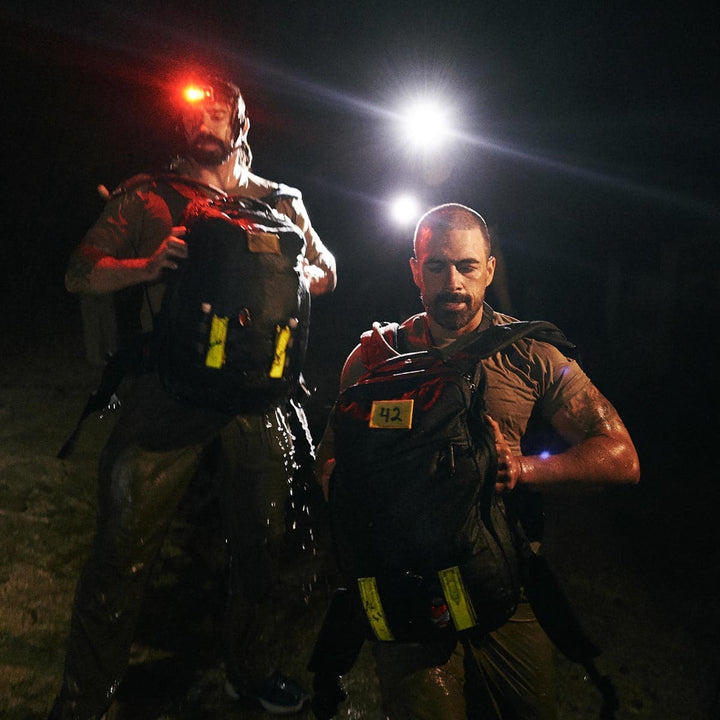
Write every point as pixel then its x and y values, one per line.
pixel 405 210
pixel 425 125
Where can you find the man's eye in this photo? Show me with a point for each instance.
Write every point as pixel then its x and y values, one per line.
pixel 434 267
pixel 466 268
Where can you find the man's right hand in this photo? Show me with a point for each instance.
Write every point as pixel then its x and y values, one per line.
pixel 167 255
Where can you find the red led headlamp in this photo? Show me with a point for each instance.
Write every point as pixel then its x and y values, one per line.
pixel 195 94
pixel 214 90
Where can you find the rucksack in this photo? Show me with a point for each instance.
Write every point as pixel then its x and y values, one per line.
pixel 423 541
pixel 233 327
pixel 387 517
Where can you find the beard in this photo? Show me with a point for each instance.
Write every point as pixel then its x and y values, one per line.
pixel 208 150
pixel 455 318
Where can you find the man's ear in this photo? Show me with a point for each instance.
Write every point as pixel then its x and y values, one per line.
pixel 245 127
pixel 415 270
pixel 492 264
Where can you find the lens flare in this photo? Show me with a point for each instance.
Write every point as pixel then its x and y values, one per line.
pixel 195 94
pixel 405 210
pixel 425 124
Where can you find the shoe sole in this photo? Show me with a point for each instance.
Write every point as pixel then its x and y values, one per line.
pixel 231 692
pixel 282 710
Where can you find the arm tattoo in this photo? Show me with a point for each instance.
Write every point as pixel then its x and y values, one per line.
pixel 591 412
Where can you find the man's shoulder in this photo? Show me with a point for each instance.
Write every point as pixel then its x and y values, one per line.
pixel 499 318
pixel 258 188
pixel 255 186
pixel 537 338
pixel 140 182
pixel 159 182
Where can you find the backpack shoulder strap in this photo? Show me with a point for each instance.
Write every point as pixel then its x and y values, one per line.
pixel 176 189
pixel 177 181
pixel 379 343
pixel 498 337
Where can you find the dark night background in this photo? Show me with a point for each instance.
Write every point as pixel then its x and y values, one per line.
pixel 589 141
pixel 587 137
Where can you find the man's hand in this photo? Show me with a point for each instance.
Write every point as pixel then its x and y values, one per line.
pixel 317 279
pixel 166 256
pixel 509 468
pixel 90 270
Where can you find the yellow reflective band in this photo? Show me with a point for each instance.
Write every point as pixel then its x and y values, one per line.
pixel 281 342
pixel 373 608
pixel 391 414
pixel 215 357
pixel 457 599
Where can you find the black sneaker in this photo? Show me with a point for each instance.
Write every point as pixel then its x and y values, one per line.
pixel 278 694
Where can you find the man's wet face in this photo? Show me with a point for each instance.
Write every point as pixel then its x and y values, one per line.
pixel 453 271
pixel 208 130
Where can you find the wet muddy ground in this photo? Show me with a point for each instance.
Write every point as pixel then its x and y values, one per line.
pixel 640 566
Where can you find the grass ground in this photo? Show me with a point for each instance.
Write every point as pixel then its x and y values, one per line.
pixel 639 564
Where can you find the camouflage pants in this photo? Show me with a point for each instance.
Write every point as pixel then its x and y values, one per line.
pixel 145 468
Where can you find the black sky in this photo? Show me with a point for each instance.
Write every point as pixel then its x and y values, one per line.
pixel 589 142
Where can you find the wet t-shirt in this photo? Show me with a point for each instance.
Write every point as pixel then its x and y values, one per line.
pixel 528 376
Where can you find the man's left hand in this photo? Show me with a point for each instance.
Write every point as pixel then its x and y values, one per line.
pixel 509 468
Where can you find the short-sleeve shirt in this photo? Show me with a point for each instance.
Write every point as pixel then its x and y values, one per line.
pixel 135 223
pixel 528 376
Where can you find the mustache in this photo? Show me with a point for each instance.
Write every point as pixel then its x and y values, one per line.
pixel 207 138
pixel 450 297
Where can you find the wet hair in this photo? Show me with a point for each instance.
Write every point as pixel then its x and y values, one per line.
pixel 234 98
pixel 450 216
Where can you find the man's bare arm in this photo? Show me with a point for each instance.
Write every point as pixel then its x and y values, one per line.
pixel 601 453
pixel 92 271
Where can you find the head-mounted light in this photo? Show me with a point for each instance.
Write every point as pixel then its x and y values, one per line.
pixel 215 90
pixel 196 94
pixel 210 89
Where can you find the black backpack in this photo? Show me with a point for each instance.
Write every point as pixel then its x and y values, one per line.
pixel 232 330
pixel 423 541
pixel 425 547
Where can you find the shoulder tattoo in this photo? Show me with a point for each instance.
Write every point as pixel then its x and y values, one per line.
pixel 591 412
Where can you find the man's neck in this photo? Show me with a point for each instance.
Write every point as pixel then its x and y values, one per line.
pixel 435 336
pixel 227 176
pixel 440 337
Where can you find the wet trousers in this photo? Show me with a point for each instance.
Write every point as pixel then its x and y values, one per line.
pixel 145 468
pixel 507 675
